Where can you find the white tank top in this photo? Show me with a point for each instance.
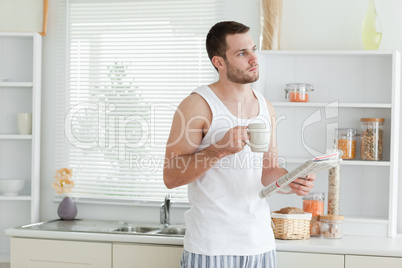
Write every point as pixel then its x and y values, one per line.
pixel 227 216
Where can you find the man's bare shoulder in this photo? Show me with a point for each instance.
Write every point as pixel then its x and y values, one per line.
pixel 194 104
pixel 270 107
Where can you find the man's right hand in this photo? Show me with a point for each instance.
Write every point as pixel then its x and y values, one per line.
pixel 234 140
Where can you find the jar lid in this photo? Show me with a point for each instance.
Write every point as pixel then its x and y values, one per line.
pixel 372 119
pixel 299 87
pixel 331 217
pixel 346 132
pixel 315 196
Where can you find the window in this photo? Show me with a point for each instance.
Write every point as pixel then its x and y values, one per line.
pixel 128 66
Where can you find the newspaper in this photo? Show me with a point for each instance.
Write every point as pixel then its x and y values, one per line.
pixel 315 165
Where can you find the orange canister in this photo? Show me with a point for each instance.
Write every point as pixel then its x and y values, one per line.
pixel 314 203
pixel 298 92
pixel 346 142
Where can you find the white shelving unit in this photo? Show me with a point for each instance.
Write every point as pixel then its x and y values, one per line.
pixel 20 63
pixel 348 85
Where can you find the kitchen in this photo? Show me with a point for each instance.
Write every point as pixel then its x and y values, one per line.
pixel 300 31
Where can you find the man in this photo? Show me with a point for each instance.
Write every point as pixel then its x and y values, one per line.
pixel 228 225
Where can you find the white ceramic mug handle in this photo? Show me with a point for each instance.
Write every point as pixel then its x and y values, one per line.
pixel 248 141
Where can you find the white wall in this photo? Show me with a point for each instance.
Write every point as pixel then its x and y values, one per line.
pixel 327 24
pixel 306 24
pixel 21 15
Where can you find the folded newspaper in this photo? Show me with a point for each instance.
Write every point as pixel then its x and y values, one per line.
pixel 314 165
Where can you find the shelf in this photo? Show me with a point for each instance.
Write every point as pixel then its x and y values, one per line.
pixel 365 226
pixel 291 160
pixel 16 84
pixel 365 163
pixel 370 220
pixel 15 137
pixel 14 34
pixel 332 105
pixel 15 198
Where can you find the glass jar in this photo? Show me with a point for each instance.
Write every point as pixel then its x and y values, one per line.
pixel 314 203
pixel 331 226
pixel 334 189
pixel 298 92
pixel 346 142
pixel 372 138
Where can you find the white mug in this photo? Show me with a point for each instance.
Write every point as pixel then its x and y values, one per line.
pixel 24 123
pixel 259 137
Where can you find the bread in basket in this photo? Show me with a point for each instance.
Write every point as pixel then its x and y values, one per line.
pixel 291 223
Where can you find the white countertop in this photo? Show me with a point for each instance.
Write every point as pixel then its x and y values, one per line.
pixel 353 245
pixel 99 237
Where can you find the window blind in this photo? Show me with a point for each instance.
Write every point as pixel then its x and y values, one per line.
pixel 128 64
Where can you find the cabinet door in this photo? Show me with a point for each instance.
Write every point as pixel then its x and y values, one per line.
pixel 42 253
pixel 372 262
pixel 309 260
pixel 146 256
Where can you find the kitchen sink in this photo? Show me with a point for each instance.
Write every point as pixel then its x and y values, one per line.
pixel 134 229
pixel 173 230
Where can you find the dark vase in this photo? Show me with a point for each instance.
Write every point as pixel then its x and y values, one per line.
pixel 67 209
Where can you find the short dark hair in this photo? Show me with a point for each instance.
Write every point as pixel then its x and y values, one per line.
pixel 216 38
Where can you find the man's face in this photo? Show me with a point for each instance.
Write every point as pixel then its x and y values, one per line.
pixel 241 60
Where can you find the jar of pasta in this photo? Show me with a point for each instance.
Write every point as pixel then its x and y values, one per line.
pixel 314 203
pixel 298 92
pixel 372 138
pixel 346 142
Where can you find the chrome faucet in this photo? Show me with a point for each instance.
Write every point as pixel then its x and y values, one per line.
pixel 165 211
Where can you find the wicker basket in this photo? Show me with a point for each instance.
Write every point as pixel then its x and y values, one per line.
pixel 291 226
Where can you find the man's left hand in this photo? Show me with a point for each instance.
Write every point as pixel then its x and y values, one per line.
pixel 302 186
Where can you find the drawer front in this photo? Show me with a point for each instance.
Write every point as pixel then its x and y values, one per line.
pixel 146 256
pixel 309 260
pixel 372 262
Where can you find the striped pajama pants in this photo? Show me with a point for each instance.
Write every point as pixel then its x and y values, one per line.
pixel 265 260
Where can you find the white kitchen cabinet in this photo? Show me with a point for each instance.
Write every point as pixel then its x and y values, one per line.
pixel 348 85
pixel 44 253
pixel 372 262
pixel 146 256
pixel 318 260
pixel 20 91
pixel 309 260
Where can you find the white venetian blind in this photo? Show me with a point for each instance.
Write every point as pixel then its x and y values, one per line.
pixel 128 66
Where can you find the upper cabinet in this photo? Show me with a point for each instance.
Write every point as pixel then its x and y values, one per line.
pixel 20 92
pixel 348 86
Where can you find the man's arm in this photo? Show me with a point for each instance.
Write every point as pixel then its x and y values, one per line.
pixel 271 169
pixel 190 122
